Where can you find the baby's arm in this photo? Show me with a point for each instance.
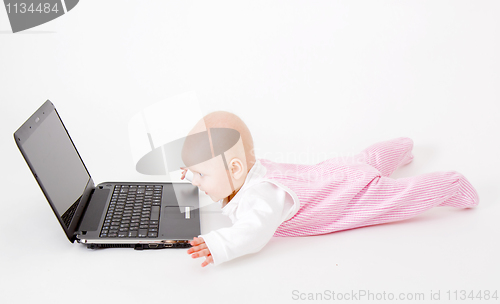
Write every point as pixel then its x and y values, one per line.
pixel 258 216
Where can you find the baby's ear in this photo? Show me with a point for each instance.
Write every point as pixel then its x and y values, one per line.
pixel 237 169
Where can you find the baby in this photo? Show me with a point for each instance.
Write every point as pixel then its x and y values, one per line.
pixel 265 199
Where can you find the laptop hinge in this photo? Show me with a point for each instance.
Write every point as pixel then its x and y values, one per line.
pixel 80 220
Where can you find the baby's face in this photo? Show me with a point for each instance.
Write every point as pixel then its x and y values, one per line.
pixel 212 178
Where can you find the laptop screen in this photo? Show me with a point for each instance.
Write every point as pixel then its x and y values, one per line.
pixel 57 165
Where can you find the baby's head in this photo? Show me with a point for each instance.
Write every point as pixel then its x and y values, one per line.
pixel 219 151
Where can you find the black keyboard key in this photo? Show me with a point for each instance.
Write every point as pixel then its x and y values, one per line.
pixel 143 233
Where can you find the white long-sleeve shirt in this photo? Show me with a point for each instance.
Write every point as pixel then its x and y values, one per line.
pixel 256 211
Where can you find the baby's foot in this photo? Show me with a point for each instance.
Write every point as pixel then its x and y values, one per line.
pixel 407 158
pixel 466 196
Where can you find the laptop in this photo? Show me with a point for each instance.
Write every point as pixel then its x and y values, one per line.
pixel 139 215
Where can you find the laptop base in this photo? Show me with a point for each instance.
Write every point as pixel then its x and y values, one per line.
pixel 141 246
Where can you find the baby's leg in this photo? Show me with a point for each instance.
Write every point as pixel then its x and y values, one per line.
pixel 388 200
pixel 383 200
pixel 387 156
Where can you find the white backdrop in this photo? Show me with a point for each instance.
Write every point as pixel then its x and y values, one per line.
pixel 312 79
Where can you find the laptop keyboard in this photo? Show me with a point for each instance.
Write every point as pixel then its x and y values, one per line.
pixel 134 212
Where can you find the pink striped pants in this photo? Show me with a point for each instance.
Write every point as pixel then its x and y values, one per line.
pixel 383 199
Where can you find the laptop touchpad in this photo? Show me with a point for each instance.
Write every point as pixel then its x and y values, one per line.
pixel 179 222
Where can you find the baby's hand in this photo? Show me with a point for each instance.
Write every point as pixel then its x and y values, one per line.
pixel 184 170
pixel 199 250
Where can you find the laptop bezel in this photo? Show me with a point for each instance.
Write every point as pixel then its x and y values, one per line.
pixel 22 134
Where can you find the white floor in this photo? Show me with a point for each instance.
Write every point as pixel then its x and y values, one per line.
pixel 312 80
